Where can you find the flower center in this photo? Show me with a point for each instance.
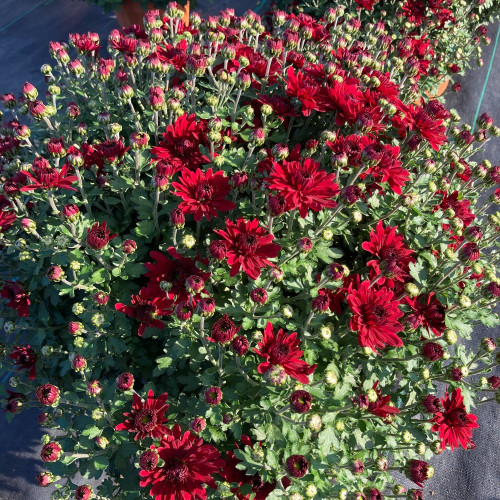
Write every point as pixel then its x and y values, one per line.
pixel 204 191
pixel 457 418
pixel 247 243
pixel 144 312
pixel 184 146
pixel 47 175
pixel 279 353
pixel 145 419
pixel 175 471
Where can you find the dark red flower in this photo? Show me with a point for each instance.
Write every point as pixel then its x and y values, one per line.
pixel 432 404
pixel 25 358
pixel 14 402
pixel 283 351
pixel 181 144
pixel 296 465
pixel 146 418
pixel 309 92
pixel 146 308
pixel 390 248
pixel 47 394
pixel 43 176
pixel 426 126
pixel 203 194
pixel 7 218
pixel 84 492
pixel 213 396
pixel 223 330
pixel 17 297
pixel 51 452
pixel 111 150
pixel 375 316
pixel 248 247
pixel 149 459
pixel 234 475
pixel 432 351
pixel 460 207
pixel 427 312
pixel 453 423
pixel 98 236
pixel 175 271
pixel 418 471
pixel 300 401
pixel 304 185
pixel 380 407
pixel 188 464
pixel 240 345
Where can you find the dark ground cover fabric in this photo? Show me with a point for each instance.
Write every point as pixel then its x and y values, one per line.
pixel 26 28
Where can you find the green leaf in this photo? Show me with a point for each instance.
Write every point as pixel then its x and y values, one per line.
pixel 91 432
pixel 327 439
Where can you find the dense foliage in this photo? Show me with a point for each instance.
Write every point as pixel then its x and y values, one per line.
pixel 237 261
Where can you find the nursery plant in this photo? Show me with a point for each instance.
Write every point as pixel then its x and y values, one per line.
pixel 238 262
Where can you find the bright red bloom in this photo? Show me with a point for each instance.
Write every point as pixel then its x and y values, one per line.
pixel 388 247
pixel 304 185
pixel 460 207
pixel 453 423
pixel 427 312
pixel 375 316
pixel 25 358
pixel 283 350
pixel 174 271
pixel 85 43
pixel 306 90
pixel 146 308
pixel 146 418
pixel 98 236
pixel 7 218
pixel 366 4
pixel 188 465
pixel 381 408
pixel 203 194
pixel 427 127
pixel 234 475
pixel 181 144
pixel 44 176
pixel 17 297
pixel 248 247
pixel 111 150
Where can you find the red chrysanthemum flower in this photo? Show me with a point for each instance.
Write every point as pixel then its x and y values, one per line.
pixel 427 127
pixel 146 308
pixel 203 194
pixel 453 423
pixel 460 207
pixel 43 176
pixel 248 247
pixel 381 408
pixel 146 418
pixel 181 144
pixel 25 358
pixel 309 92
pixel 175 271
pixel 7 218
pixel 111 150
pixel 283 350
pixel 188 464
pixel 304 185
pixel 427 312
pixel 17 297
pixel 223 330
pixel 375 316
pixel 98 236
pixel 388 247
pixel 234 475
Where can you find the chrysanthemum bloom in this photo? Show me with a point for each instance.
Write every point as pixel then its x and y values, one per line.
pixel 203 194
pixel 375 316
pixel 494 381
pixel 125 381
pixel 188 464
pixel 146 418
pixel 453 423
pixel 240 345
pixel 427 312
pixel 17 297
pixel 43 176
pixel 357 467
pixel 51 452
pixel 248 247
pixel 296 465
pixel 234 475
pixel 194 284
pixel 304 185
pixel 14 402
pixel 259 295
pixel 427 127
pixel 223 330
pixel 146 308
pixel 70 212
pixel 418 471
pixel 149 459
pixel 306 90
pixel 374 494
pixel 98 236
pixel 45 478
pixel 431 404
pixel 213 396
pixel 300 401
pixel 283 351
pixel 25 358
pixel 432 351
pixel 198 424
pixel 181 144
pixel 84 492
pixel 47 394
pixel 460 207
pixel 174 270
pixel 381 407
pixel 7 219
pixel 386 245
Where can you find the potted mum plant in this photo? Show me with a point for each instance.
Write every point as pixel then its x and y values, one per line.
pixel 237 262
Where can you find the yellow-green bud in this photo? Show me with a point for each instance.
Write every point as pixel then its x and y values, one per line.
pixel 188 241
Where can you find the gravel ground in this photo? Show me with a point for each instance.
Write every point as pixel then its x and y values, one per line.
pixel 27 27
